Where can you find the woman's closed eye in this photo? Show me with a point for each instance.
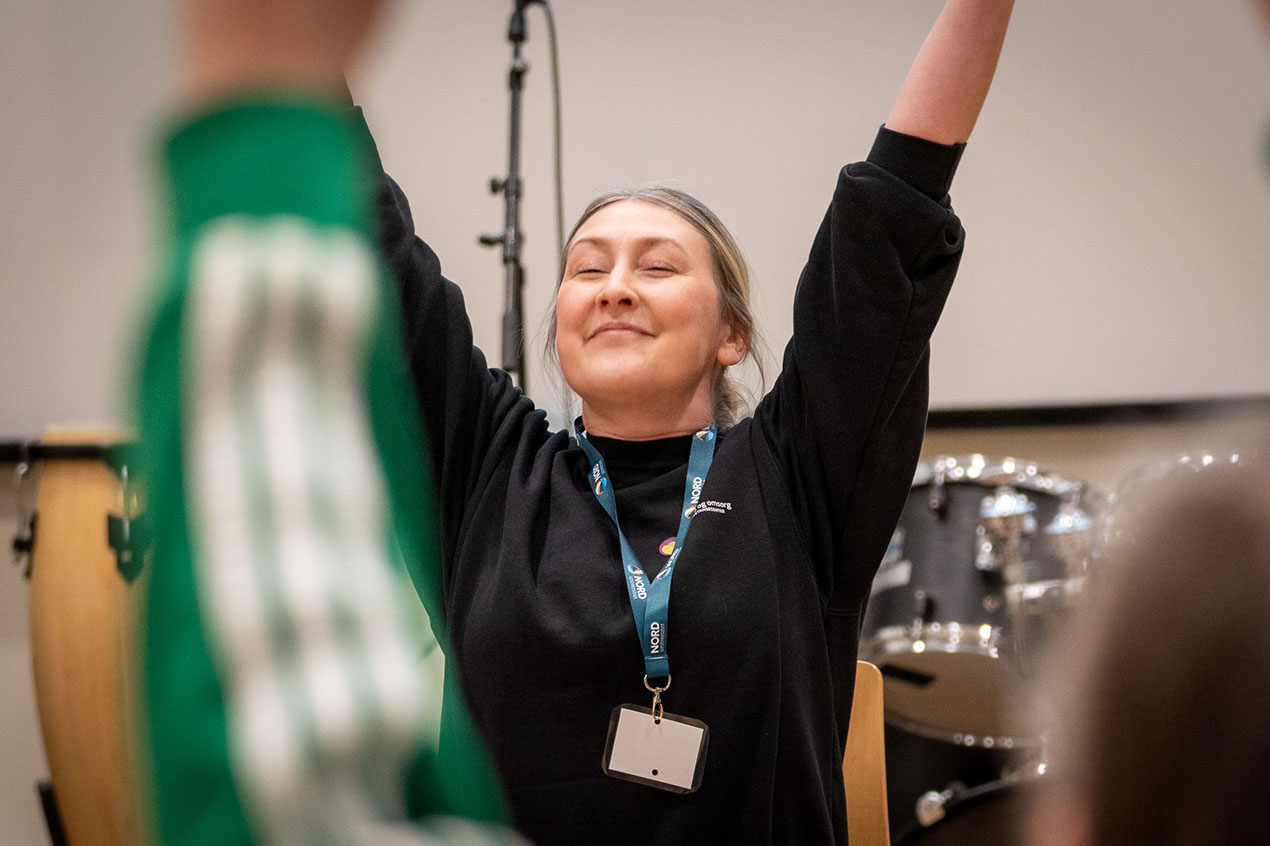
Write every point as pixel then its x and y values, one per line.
pixel 660 268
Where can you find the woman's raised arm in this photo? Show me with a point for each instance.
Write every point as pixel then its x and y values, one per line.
pixel 949 79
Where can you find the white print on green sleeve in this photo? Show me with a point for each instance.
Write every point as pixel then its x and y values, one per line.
pixel 313 627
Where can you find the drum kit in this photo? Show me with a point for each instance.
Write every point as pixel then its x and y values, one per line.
pixel 990 558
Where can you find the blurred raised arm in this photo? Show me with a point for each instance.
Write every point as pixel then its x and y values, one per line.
pixel 297 45
pixel 949 80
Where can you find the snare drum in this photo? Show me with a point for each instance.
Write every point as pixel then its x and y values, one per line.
pixel 86 583
pixel 988 555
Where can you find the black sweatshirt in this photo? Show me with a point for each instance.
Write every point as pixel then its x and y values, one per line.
pixel 765 609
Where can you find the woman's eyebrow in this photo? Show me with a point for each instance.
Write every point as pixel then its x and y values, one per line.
pixel 644 243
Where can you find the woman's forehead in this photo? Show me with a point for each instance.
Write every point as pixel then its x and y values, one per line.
pixel 641 223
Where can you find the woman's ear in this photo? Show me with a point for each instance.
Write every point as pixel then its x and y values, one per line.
pixel 732 350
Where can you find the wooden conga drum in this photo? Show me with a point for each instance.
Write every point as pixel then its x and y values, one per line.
pixel 84 606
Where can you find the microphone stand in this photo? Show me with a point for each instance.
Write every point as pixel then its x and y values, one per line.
pixel 513 349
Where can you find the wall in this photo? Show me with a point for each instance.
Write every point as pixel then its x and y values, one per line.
pixel 1115 192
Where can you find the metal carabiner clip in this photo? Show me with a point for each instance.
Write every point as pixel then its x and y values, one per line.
pixel 658 710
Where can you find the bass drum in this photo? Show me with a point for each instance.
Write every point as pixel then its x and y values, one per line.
pixel 988 556
pixel 86 583
pixel 940 794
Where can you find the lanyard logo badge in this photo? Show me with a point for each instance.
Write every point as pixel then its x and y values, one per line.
pixel 697 483
pixel 705 435
pixel 637 577
pixel 667 546
pixel 654 636
pixel 601 481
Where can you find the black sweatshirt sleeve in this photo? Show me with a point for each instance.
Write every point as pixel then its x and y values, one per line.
pixel 467 408
pixel 846 417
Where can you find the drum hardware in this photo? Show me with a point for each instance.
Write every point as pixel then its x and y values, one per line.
pixel 933 805
pixel 1042 597
pixel 923 608
pixel 1006 517
pixel 129 533
pixel 930 805
pixel 52 814
pixel 24 535
pixel 907 676
pixel 938 498
pixel 1071 534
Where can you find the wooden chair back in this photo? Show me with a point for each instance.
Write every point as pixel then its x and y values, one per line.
pixel 864 764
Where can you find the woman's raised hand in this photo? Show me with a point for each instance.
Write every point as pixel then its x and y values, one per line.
pixel 231 45
pixel 949 80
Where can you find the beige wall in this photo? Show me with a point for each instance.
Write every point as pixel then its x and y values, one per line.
pixel 1115 193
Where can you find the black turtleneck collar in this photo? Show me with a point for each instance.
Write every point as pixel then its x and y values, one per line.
pixel 632 462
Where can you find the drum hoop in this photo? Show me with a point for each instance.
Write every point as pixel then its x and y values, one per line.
pixel 936 637
pixel 1199 461
pixel 990 471
pixel 14 452
pixel 1005 742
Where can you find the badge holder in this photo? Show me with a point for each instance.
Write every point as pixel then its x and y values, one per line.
pixel 656 749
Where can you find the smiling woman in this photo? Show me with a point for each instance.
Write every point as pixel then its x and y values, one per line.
pixel 774 524
pixel 652 307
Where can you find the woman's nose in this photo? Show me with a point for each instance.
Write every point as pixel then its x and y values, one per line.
pixel 618 288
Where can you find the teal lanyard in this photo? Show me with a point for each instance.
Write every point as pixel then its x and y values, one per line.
pixel 650 600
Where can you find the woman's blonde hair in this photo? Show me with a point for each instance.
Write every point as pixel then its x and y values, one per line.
pixel 731 276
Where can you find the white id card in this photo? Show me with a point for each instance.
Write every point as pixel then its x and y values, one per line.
pixel 670 754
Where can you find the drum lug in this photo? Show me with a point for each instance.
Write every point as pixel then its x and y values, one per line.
pixel 937 500
pixel 1071 533
pixel 923 608
pixel 985 554
pixel 24 545
pixel 130 538
pixel 129 535
pixel 24 537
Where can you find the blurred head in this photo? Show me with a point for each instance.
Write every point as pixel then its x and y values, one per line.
pixel 1163 736
pixel 653 304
